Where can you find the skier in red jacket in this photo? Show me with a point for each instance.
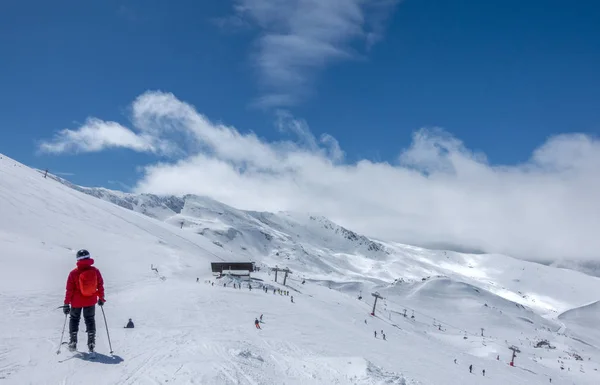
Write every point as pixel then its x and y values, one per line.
pixel 85 288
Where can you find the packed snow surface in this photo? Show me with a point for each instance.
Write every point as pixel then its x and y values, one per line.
pixel 194 328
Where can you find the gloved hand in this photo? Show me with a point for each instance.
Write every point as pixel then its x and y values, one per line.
pixel 101 302
pixel 66 309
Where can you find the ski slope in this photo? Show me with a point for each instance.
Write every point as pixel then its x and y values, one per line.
pixel 190 332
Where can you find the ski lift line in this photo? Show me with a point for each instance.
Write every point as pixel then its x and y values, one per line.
pixel 489 340
pixel 430 317
pixel 433 318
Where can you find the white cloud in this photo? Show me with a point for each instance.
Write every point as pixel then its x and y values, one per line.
pixel 299 37
pixel 438 191
pixel 96 135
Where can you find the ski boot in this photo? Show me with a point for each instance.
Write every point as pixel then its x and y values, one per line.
pixel 91 342
pixel 73 342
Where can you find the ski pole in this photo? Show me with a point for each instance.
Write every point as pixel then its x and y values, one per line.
pixel 107 333
pixel 62 335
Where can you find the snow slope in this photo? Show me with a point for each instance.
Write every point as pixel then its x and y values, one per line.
pixel 587 315
pixel 583 323
pixel 199 333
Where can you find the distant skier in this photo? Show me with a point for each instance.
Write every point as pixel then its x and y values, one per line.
pixel 292 299
pixel 455 360
pixel 483 372
pixel 129 324
pixel 256 323
pixel 383 336
pixel 197 280
pixel 261 317
pixel 470 368
pixel 85 288
pixel 375 333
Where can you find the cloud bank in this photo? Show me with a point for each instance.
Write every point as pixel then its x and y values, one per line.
pixel 437 192
pixel 299 37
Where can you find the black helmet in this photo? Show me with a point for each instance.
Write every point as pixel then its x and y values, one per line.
pixel 83 254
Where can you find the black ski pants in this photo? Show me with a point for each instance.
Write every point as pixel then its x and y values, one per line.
pixel 89 314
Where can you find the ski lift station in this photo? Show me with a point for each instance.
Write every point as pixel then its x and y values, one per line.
pixel 237 269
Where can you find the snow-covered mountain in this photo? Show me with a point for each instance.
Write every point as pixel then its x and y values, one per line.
pixel 326 252
pixel 437 307
pixel 225 224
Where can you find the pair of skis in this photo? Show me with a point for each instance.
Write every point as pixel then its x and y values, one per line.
pixel 91 355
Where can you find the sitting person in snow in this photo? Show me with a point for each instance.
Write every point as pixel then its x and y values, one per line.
pixel 129 324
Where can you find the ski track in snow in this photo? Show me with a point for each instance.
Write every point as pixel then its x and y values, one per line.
pixel 196 333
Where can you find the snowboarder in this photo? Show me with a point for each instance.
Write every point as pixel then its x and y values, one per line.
pixel 470 368
pixel 85 288
pixel 256 323
pixel 129 324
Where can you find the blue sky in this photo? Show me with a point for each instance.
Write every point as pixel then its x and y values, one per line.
pixel 500 77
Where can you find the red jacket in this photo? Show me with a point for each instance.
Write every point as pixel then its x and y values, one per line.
pixel 73 295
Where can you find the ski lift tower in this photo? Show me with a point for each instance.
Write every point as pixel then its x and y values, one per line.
pixel 278 269
pixel 377 296
pixel 515 350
